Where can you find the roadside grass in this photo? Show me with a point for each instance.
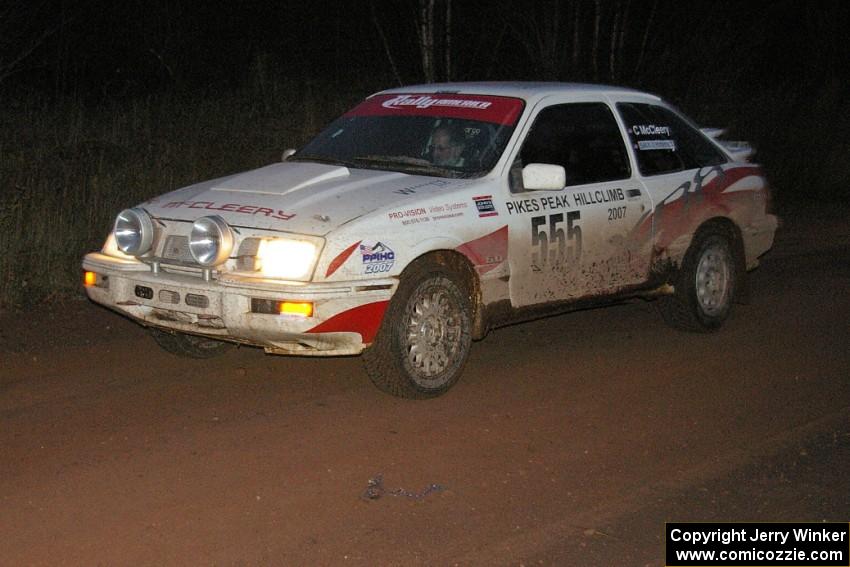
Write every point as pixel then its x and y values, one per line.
pixel 66 169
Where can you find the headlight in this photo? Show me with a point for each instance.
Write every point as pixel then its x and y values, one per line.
pixel 211 241
pixel 285 258
pixel 133 232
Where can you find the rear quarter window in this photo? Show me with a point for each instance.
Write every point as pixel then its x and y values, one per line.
pixel 663 142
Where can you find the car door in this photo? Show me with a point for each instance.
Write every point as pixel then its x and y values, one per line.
pixel 575 241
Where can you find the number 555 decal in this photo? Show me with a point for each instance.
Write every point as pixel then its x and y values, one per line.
pixel 552 247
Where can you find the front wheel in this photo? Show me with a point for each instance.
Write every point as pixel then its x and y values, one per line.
pixel 705 286
pixel 425 338
pixel 190 346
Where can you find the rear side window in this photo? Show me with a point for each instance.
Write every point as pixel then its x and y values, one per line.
pixel 583 138
pixel 663 142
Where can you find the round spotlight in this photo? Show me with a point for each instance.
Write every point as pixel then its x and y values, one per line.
pixel 133 231
pixel 211 241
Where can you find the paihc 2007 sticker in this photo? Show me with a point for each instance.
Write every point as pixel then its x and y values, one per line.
pixel 377 257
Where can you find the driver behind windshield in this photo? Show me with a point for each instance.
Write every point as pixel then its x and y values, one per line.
pixel 447 144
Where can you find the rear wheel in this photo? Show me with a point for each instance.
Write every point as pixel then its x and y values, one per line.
pixel 191 346
pixel 705 286
pixel 425 338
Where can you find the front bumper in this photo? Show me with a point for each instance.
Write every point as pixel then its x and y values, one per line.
pixel 346 316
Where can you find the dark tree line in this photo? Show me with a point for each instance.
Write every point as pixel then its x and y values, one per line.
pixel 774 70
pixel 68 45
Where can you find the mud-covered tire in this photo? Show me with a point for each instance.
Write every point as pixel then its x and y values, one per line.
pixel 705 285
pixel 424 340
pixel 190 346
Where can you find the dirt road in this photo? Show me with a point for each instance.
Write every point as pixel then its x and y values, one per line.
pixel 568 441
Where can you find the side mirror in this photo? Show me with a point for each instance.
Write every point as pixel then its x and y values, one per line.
pixel 286 153
pixel 543 177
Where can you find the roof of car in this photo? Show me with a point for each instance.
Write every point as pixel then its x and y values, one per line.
pixel 519 89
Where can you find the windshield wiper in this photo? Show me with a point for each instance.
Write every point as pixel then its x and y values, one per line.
pixel 405 164
pixel 322 159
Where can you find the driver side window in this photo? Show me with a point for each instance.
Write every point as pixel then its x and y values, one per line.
pixel 582 137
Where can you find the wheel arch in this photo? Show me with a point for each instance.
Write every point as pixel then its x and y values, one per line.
pixel 458 264
pixel 388 360
pixel 733 232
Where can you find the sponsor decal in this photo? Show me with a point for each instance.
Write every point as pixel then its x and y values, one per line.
pixel 484 108
pixel 447 211
pixel 230 207
pixel 448 207
pixel 448 216
pixel 433 213
pixel 376 257
pixel 656 145
pixel 425 101
pixel 407 213
pixel 485 206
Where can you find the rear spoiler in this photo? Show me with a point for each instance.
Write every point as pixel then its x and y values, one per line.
pixel 741 151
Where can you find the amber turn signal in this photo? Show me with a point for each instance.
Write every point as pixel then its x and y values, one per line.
pixel 302 309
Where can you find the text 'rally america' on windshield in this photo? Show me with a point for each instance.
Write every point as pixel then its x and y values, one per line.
pixel 486 108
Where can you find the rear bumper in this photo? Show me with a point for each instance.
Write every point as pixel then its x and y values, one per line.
pixel 346 316
pixel 758 238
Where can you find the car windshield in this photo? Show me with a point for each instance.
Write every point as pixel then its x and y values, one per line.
pixel 444 135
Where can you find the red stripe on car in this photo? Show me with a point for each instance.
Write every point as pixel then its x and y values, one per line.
pixel 337 262
pixel 487 252
pixel 365 319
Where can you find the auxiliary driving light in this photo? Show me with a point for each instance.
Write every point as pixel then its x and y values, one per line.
pixel 211 241
pixel 133 231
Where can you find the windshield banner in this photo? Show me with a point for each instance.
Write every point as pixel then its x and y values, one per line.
pixel 484 108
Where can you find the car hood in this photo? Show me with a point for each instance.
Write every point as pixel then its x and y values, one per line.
pixel 305 198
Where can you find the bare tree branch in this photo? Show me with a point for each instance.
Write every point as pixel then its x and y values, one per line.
pixel 594 53
pixel 646 31
pixel 448 36
pixel 612 52
pixel 386 43
pixel 10 67
pixel 576 27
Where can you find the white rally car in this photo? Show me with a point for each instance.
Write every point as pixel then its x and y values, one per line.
pixel 429 214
